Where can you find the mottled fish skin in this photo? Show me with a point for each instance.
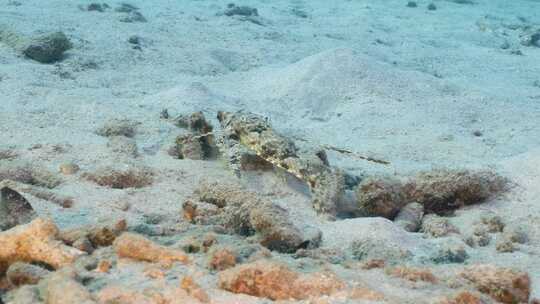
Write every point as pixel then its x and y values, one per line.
pixel 255 133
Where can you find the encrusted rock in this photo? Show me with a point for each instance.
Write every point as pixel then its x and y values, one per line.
pixel 26 294
pixel 365 294
pixel 69 168
pixel 369 249
pixel 463 297
pixel 126 177
pixel 221 259
pixel 8 154
pixel 195 122
pixel 23 273
pixel 123 145
pixel 436 226
pixel 194 290
pixel 276 232
pixel 104 266
pixel 190 244
pixel 516 234
pixel 493 223
pixel 479 237
pixel 317 284
pixel 380 197
pixel 333 256
pixel 29 174
pixel 46 48
pixel 277 282
pixel 88 237
pixel 410 217
pixel 189 146
pixel 442 191
pixel 63 287
pixel 199 142
pixel 134 246
pixel 209 240
pixel 450 253
pixel 505 245
pixel 502 284
pixel 245 213
pixel 412 274
pixel 373 264
pixel 36 241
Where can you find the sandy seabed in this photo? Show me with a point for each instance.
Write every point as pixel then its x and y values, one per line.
pixel 455 87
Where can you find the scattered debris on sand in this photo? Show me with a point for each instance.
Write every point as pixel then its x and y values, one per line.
pixel 130 13
pixel 410 217
pixel 29 174
pixel 95 7
pixel 21 273
pixel 531 37
pixel 36 241
pixel 94 236
pixel 198 143
pixel 413 274
pixel 69 168
pixel 123 178
pixel 437 226
pixel 118 127
pixel 442 191
pixel 243 12
pixel 234 10
pixel 38 192
pixel 245 213
pixel 46 48
pixel 502 284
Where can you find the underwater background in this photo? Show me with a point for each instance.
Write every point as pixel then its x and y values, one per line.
pixel 203 151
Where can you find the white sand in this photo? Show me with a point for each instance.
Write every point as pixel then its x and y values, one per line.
pixel 407 85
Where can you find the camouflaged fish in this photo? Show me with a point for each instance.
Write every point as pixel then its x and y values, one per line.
pixel 250 133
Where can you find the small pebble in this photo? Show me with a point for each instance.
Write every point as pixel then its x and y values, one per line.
pixel 83 244
pixel 516 234
pixel 164 114
pixel 432 7
pixel 493 224
pixel 505 245
pixel 412 4
pixel 69 168
pixel 134 39
pixel 97 7
pixel 104 266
